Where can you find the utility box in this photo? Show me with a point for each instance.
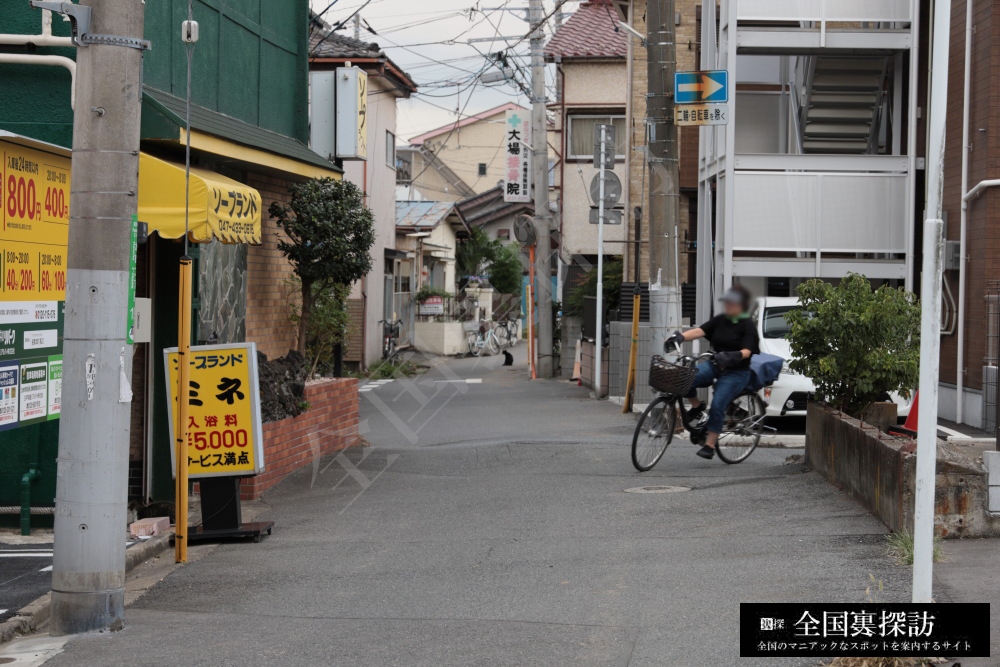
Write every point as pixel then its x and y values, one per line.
pixel 952 256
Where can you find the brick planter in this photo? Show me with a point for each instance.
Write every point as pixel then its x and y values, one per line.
pixel 329 425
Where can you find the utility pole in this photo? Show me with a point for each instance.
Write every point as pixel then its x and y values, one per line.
pixel 88 573
pixel 664 181
pixel 357 26
pixel 930 313
pixel 540 175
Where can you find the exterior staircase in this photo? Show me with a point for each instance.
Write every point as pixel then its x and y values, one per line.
pixel 841 111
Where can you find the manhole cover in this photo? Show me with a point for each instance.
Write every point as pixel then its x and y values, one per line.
pixel 657 489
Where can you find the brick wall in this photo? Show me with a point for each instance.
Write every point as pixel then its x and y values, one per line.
pixel 329 425
pixel 268 274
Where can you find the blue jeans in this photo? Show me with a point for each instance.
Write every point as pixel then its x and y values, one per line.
pixel 728 385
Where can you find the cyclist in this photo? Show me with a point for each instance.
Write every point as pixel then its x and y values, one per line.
pixel 733 337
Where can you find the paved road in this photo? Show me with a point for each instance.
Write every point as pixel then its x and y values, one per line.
pixel 25 574
pixel 489 525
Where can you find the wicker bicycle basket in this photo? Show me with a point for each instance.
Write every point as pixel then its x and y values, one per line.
pixel 669 378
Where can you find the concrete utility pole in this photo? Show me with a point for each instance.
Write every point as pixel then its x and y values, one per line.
pixel 930 315
pixel 540 176
pixel 664 181
pixel 357 26
pixel 88 574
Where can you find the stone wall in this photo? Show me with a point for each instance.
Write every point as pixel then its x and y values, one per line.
pixel 879 472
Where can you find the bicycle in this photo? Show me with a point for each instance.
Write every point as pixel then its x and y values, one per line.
pixel 486 339
pixel 390 337
pixel 507 330
pixel 741 433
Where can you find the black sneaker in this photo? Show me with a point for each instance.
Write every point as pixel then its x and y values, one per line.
pixel 694 415
pixel 706 452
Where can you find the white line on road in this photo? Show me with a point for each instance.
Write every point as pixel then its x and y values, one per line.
pixel 27 554
pixel 46 569
pixel 465 381
pixel 952 433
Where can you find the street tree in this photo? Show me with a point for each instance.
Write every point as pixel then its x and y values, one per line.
pixel 857 344
pixel 328 236
pixel 479 254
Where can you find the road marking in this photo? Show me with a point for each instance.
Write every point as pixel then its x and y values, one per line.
pixel 2 612
pixel 27 554
pixel 465 381
pixel 373 384
pixel 46 569
pixel 953 433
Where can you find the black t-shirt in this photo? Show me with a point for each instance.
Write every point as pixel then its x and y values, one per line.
pixel 726 335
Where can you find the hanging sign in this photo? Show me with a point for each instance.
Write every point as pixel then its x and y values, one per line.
pixel 517 165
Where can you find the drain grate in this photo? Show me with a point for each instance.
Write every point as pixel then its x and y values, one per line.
pixel 658 489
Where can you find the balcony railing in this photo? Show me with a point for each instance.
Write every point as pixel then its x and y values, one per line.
pixel 820 212
pixel 822 12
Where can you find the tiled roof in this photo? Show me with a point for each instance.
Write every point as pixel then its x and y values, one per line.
pixel 422 214
pixel 468 120
pixel 589 33
pixel 341 46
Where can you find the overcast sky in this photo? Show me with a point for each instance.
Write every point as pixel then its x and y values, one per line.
pixel 427 39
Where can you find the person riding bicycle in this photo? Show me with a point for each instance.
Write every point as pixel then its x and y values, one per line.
pixel 733 337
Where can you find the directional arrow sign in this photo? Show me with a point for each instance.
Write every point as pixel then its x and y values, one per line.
pixel 701 87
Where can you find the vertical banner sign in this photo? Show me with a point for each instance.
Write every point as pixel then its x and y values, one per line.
pixel 133 249
pixel 225 437
pixel 34 232
pixel 517 165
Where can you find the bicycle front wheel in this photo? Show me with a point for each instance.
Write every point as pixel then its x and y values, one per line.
pixel 744 426
pixel 493 343
pixel 653 433
pixel 512 334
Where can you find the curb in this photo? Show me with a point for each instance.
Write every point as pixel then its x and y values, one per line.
pixel 36 614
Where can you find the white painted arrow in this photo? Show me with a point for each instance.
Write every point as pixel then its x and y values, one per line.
pixel 707 87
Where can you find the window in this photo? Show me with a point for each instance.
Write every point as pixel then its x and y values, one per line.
pixel 581 135
pixel 552 173
pixel 482 168
pixel 390 149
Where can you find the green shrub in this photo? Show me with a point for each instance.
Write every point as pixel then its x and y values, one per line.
pixel 857 344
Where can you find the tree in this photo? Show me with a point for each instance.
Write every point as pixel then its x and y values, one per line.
pixel 473 253
pixel 328 237
pixel 587 286
pixel 506 270
pixel 857 344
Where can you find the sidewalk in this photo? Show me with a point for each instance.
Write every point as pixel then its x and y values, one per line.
pixel 971 573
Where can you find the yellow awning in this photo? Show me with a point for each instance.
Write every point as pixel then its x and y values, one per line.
pixel 220 207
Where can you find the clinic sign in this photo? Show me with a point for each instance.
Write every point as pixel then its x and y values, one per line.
pixel 517 157
pixel 225 436
pixel 34 232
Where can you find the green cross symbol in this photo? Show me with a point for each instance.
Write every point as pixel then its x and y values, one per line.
pixel 515 120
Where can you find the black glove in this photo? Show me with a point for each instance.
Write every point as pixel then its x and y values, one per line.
pixel 728 359
pixel 676 338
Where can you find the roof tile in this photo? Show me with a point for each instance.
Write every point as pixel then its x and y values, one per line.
pixel 589 33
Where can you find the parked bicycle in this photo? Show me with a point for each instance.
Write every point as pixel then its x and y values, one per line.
pixel 390 337
pixel 485 339
pixel 741 433
pixel 507 330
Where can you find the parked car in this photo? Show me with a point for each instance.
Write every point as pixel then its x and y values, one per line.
pixel 790 393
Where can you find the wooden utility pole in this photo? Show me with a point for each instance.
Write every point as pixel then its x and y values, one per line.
pixel 664 180
pixel 540 176
pixel 88 574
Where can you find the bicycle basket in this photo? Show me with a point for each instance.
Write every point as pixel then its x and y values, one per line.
pixel 669 378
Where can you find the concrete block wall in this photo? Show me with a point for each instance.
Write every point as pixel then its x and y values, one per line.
pixel 329 425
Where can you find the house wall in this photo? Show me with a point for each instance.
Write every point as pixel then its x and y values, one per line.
pixel 269 289
pixel 687 39
pixel 376 176
pixel 983 230
pixel 428 183
pixel 589 88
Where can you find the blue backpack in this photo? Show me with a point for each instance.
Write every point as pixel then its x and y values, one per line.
pixel 764 370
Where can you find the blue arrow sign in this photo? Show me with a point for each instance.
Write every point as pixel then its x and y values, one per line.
pixel 701 87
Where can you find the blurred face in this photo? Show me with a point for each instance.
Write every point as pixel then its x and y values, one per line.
pixel 733 309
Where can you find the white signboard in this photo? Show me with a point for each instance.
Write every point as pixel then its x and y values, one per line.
pixel 432 305
pixel 33 390
pixel 701 114
pixel 352 113
pixel 517 157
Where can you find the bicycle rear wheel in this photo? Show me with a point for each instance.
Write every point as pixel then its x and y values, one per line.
pixel 492 343
pixel 744 426
pixel 653 433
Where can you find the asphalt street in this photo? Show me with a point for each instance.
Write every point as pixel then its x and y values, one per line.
pixel 490 523
pixel 25 573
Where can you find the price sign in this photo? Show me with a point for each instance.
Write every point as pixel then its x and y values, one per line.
pixel 34 232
